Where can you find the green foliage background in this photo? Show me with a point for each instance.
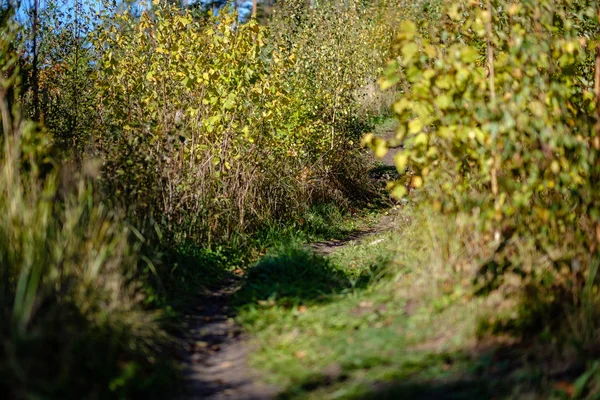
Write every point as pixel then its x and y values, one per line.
pixel 162 138
pixel 498 111
pixel 169 145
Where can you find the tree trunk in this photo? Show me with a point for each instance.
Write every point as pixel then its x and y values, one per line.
pixel 35 71
pixel 596 141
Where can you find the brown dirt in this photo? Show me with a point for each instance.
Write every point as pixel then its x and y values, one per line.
pixel 217 353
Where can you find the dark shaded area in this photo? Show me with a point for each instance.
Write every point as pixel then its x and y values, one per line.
pixel 216 350
pixel 329 246
pixel 192 269
pixel 74 346
pixel 499 374
pixel 384 172
pixel 296 275
pixel 451 390
pixel 215 347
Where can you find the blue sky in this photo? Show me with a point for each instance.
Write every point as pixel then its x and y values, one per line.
pixel 67 6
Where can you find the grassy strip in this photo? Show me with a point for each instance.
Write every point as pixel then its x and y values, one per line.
pixel 195 268
pixel 389 317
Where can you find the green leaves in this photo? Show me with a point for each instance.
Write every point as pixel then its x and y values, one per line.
pixel 409 50
pixel 530 150
pixel 408 30
pixel 415 126
pixel 205 114
pixel 443 102
pixel 469 54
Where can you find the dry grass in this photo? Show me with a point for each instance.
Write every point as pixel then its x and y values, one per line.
pixel 74 324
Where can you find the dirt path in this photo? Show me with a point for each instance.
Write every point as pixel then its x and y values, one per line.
pixel 324 248
pixel 217 356
pixel 218 349
pixel 217 353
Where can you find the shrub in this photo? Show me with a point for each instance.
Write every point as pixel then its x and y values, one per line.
pixel 215 128
pixel 498 104
pixel 71 320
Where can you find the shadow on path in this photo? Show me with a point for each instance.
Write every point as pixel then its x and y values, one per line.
pixel 216 354
pixel 217 351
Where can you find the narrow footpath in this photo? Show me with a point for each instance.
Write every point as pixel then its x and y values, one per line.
pixel 217 348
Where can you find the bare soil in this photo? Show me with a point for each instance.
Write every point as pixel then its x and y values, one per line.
pixel 217 352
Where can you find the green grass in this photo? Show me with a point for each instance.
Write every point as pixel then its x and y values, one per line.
pixel 385 127
pixel 194 268
pixel 389 317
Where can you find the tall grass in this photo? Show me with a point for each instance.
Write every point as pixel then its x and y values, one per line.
pixel 71 320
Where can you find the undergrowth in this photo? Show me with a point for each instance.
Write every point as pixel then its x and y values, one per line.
pixel 396 315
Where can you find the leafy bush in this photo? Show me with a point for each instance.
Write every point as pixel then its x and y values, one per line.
pixel 71 320
pixel 216 128
pixel 498 105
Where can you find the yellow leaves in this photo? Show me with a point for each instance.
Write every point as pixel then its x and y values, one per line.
pixel 505 160
pixel 444 82
pixel 454 12
pixel 537 108
pixel 281 95
pixel 379 147
pixel 486 16
pixel 416 182
pixel 183 20
pixel 443 101
pixel 399 191
pixel 514 9
pixel 570 46
pixel 422 139
pixel 415 126
pixel 401 161
pixel 409 50
pixel 367 139
pixel 542 213
pixel 469 54
pixel 401 105
pixel 408 30
pixel 428 74
pixel 386 83
pixel 228 104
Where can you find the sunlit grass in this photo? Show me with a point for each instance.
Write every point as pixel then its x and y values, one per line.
pixel 73 322
pixel 401 320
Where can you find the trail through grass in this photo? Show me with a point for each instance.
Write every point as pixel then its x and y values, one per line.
pixel 380 304
pixel 216 347
pixel 390 315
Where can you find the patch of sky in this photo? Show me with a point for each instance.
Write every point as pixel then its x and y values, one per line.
pixel 68 9
pixel 243 7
